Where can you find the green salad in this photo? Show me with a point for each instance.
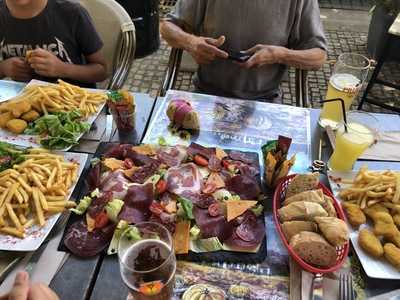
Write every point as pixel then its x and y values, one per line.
pixel 59 130
pixel 10 155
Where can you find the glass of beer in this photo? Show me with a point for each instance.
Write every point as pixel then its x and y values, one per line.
pixel 147 261
pixel 352 139
pixel 349 74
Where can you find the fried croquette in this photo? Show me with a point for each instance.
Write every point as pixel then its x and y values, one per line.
pixel 383 224
pixel 370 243
pixel 16 125
pixel 393 237
pixel 396 220
pixel 392 254
pixel 370 211
pixel 355 215
pixel 30 116
pixel 19 108
pixel 4 118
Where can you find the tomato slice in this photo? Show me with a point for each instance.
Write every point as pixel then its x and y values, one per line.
pixel 225 163
pixel 128 163
pixel 213 210
pixel 101 220
pixel 200 160
pixel 156 208
pixel 161 186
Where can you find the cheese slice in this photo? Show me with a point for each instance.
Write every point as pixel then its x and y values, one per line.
pixel 182 237
pixel 216 179
pixel 237 207
pixel 145 149
pixel 220 154
pixel 240 249
pixel 113 163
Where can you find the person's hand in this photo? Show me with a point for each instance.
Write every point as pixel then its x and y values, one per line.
pixel 23 290
pixel 16 68
pixel 205 50
pixel 263 55
pixel 46 63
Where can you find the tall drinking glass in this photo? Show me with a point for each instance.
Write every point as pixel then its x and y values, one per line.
pixel 147 261
pixel 352 139
pixel 349 74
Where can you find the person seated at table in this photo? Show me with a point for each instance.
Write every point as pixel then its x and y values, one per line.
pixel 64 41
pixel 275 33
pixel 23 289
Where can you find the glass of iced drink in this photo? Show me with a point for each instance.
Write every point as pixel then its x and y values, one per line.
pixel 147 261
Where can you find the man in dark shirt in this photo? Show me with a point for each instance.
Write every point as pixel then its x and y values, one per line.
pixel 64 41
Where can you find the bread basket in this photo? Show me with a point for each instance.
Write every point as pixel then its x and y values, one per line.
pixel 341 252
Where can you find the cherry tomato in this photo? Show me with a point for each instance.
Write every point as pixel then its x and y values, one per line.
pixel 214 210
pixel 209 188
pixel 101 220
pixel 156 208
pixel 200 160
pixel 128 163
pixel 225 163
pixel 161 186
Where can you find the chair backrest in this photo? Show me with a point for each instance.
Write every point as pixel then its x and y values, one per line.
pixel 111 22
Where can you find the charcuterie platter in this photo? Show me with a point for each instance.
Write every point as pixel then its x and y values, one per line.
pixel 210 200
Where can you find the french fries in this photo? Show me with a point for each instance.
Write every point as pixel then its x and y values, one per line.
pixel 371 187
pixel 33 190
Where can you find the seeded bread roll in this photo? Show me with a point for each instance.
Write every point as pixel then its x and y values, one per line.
pixel 292 228
pixel 313 249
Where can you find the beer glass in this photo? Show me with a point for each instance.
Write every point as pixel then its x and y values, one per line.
pixel 349 74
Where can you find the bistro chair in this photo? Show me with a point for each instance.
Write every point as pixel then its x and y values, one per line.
pixel 174 66
pixel 117 31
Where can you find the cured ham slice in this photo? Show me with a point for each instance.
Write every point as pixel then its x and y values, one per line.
pixel 141 174
pixel 98 204
pixel 212 226
pixel 195 149
pixel 185 178
pixel 172 156
pixel 245 186
pixel 116 183
pixel 240 156
pixel 137 203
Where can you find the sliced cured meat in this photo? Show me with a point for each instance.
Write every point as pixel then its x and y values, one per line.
pixel 184 178
pixel 93 180
pixel 141 174
pixel 118 151
pixel 214 164
pixel 116 183
pixel 200 200
pixel 195 149
pixel 248 170
pixel 212 226
pixel 137 203
pixel 249 234
pixel 98 204
pixel 241 156
pixel 83 243
pixel 172 156
pixel 246 187
pixel 170 226
pixel 139 159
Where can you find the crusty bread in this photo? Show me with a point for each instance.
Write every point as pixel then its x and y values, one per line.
pixel 292 228
pixel 313 249
pixel 301 183
pixel 301 211
pixel 316 196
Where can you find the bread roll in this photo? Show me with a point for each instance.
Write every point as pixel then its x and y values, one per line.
pixel 301 211
pixel 316 196
pixel 334 230
pixel 313 249
pixel 292 228
pixel 301 183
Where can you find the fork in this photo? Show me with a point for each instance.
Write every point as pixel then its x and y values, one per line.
pixel 346 289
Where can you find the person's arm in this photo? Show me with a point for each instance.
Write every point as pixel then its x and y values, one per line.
pixel 47 64
pixel 203 49
pixel 310 59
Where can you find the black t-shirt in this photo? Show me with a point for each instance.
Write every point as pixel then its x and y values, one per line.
pixel 63 28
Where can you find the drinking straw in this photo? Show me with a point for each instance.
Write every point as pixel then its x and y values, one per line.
pixel 343 109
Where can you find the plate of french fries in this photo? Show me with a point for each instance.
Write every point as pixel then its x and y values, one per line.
pixel 371 201
pixel 40 98
pixel 34 193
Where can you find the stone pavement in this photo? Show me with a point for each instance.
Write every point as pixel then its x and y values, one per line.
pixel 147 73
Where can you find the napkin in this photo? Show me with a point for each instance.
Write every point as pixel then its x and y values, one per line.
pixel 387 147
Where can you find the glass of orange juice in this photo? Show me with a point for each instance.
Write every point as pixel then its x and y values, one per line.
pixel 349 73
pixel 352 139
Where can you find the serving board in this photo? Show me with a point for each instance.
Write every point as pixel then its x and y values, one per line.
pixel 217 256
pixel 26 140
pixel 36 235
pixel 373 267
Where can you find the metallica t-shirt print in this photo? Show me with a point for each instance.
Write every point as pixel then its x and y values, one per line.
pixel 63 28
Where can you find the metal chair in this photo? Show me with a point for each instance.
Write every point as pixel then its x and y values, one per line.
pixel 174 65
pixel 117 31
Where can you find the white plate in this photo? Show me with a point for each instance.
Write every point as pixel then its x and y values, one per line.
pixel 33 140
pixel 36 235
pixel 374 268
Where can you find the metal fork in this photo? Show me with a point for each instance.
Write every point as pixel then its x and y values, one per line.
pixel 346 289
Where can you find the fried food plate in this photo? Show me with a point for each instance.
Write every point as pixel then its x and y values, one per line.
pixel 25 140
pixel 373 267
pixel 35 235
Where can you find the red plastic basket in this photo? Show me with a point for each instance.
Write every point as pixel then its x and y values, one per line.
pixel 341 252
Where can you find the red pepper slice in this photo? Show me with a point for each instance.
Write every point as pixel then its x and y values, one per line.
pixel 161 186
pixel 101 220
pixel 200 160
pixel 156 208
pixel 213 210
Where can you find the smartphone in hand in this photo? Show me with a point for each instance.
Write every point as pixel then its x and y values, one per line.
pixel 239 56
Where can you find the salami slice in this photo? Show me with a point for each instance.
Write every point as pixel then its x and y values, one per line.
pixel 247 235
pixel 185 178
pixel 212 226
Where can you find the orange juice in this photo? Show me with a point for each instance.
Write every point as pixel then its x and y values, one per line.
pixel 350 145
pixel 344 86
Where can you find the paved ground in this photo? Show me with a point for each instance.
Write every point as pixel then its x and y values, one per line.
pixel 346 31
pixel 346 4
